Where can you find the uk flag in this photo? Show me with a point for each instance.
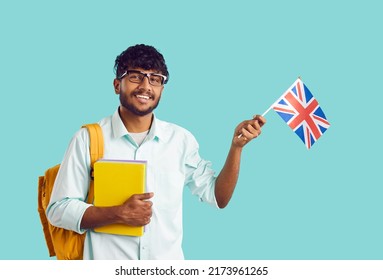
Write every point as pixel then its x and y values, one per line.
pixel 301 111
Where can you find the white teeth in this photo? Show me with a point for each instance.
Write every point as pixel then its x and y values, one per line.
pixel 143 96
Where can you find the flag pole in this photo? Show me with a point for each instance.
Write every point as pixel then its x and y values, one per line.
pixel 264 114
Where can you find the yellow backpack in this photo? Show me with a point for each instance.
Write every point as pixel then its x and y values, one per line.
pixel 62 243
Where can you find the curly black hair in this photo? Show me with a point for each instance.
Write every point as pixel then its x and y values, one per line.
pixel 140 56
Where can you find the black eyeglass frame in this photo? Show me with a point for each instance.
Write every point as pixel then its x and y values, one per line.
pixel 164 78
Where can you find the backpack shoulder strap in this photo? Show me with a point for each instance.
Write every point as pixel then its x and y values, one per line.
pixel 96 150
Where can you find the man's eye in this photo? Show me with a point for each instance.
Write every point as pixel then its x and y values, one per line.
pixel 156 79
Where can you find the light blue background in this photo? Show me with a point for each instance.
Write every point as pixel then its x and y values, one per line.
pixel 228 60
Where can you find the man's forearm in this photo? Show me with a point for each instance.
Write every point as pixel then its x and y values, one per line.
pixel 228 177
pixel 98 216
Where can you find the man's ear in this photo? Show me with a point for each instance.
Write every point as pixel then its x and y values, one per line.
pixel 117 85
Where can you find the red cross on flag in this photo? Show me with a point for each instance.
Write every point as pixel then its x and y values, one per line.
pixel 301 111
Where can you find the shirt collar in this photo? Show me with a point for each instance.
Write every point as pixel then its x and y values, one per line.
pixel 156 131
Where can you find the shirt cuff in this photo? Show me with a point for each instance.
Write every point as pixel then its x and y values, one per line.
pixel 73 217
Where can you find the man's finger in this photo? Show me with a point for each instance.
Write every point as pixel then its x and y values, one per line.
pixel 261 119
pixel 143 196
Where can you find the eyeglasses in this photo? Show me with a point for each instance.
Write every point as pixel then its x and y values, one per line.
pixel 137 77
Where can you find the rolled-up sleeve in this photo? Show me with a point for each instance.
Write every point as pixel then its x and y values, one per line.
pixel 68 200
pixel 200 177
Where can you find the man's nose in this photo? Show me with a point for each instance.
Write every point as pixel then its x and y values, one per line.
pixel 145 83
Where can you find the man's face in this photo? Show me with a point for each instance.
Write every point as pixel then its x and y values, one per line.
pixel 138 98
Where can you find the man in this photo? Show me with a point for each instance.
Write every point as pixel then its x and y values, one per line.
pixel 171 152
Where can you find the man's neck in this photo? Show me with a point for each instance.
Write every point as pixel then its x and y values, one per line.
pixel 134 123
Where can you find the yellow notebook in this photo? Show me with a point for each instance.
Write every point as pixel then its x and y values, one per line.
pixel 114 182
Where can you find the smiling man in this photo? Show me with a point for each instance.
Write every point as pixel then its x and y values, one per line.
pixel 133 132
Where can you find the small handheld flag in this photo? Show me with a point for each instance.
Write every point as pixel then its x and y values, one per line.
pixel 301 111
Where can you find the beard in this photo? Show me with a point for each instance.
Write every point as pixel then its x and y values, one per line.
pixel 132 108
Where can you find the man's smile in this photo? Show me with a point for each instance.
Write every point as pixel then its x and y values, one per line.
pixel 143 99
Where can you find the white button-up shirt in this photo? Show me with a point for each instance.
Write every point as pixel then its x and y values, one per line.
pixel 173 161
